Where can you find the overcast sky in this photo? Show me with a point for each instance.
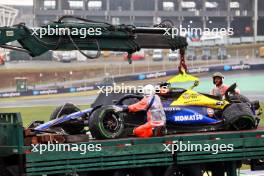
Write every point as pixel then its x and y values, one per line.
pixel 16 2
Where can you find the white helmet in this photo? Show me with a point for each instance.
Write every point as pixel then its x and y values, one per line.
pixel 149 90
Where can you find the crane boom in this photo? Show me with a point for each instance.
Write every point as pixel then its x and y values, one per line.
pixel 87 35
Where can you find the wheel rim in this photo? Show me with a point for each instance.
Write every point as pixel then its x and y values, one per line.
pixel 111 122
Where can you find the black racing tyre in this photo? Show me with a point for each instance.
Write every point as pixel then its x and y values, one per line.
pixel 130 101
pixel 133 172
pixel 105 123
pixel 239 116
pixel 239 98
pixel 69 127
pixel 192 170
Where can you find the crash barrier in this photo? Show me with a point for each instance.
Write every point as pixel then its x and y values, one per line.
pixel 140 76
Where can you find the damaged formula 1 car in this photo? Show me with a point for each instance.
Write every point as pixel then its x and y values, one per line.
pixel 186 111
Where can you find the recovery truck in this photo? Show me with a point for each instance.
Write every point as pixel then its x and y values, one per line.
pixel 25 152
pixel 128 156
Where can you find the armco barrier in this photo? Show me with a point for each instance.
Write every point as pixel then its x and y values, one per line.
pixel 141 76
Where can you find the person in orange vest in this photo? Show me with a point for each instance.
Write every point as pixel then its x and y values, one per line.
pixel 156 118
pixel 220 88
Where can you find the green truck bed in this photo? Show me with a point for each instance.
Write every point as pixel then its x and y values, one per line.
pixel 129 152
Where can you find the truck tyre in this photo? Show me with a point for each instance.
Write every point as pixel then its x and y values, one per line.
pixel 192 170
pixel 239 116
pixel 134 172
pixel 66 109
pixel 3 170
pixel 105 123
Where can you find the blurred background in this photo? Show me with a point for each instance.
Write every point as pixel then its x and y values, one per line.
pixel 69 68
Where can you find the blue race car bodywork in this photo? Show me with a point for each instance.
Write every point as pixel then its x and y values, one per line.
pixel 186 111
pixel 189 115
